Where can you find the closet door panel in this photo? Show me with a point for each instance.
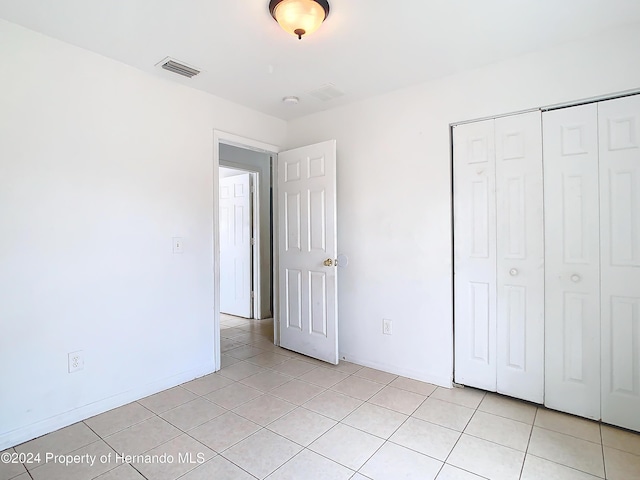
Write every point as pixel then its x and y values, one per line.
pixel 520 257
pixel 572 257
pixel 475 254
pixel 619 126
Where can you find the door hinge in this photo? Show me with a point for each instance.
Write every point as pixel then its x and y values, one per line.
pixel 253 241
pixel 253 294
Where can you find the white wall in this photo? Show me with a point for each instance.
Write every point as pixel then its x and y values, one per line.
pixel 261 163
pixel 394 191
pixel 100 166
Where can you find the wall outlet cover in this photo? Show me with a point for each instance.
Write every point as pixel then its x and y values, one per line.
pixel 387 326
pixel 76 361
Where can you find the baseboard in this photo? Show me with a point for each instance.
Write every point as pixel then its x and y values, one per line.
pixel 34 430
pixel 439 380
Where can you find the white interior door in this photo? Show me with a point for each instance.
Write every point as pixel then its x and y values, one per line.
pixel 235 245
pixel 619 126
pixel 572 258
pixel 307 249
pixel 520 257
pixel 475 254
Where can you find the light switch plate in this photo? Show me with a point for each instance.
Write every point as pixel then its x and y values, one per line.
pixel 177 245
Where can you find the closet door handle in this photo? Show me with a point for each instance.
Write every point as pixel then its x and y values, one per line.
pixel 575 278
pixel 513 272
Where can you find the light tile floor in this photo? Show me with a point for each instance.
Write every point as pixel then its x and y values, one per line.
pixel 271 413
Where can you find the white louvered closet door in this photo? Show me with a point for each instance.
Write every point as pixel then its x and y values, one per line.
pixel 572 256
pixel 475 254
pixel 520 257
pixel 619 128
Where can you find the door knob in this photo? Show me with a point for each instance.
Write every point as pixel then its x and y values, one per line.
pixel 513 272
pixel 328 262
pixel 575 278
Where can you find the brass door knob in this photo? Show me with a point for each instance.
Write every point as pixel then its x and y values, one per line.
pixel 328 262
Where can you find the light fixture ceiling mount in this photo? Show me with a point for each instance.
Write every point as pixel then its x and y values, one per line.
pixel 299 17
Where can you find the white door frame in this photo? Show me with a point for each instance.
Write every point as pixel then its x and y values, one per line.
pixel 254 235
pixel 219 137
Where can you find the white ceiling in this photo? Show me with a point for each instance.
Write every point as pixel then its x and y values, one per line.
pixel 365 48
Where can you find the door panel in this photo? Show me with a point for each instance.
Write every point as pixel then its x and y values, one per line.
pixel 475 254
pixel 520 257
pixel 619 123
pixel 317 229
pixel 307 227
pixel 235 245
pixel 292 233
pixel 293 299
pixel 572 258
pixel 514 323
pixel 318 302
pixel 479 316
pixel 574 315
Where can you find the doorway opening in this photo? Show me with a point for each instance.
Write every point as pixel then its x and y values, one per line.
pixel 243 235
pixel 240 226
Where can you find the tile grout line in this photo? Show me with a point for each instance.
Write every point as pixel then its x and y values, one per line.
pixel 604 462
pixel 101 438
pixel 327 458
pixel 139 472
pixel 526 451
pixel 455 445
pixel 568 435
pixel 231 462
pixel 565 466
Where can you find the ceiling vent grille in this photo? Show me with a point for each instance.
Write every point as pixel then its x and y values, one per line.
pixel 326 92
pixel 179 68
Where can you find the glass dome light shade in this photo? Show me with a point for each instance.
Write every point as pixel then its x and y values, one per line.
pixel 299 17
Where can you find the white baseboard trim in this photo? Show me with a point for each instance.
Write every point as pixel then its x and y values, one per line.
pixel 439 380
pixel 34 430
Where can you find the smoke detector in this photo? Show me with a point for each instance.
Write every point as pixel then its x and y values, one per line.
pixel 291 100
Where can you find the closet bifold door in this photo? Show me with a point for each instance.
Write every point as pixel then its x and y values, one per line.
pixel 619 127
pixel 475 254
pixel 520 257
pixel 572 258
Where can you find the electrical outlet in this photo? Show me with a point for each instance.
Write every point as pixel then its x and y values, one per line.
pixel 76 361
pixel 387 326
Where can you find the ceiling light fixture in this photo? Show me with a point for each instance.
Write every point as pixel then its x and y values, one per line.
pixel 299 17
